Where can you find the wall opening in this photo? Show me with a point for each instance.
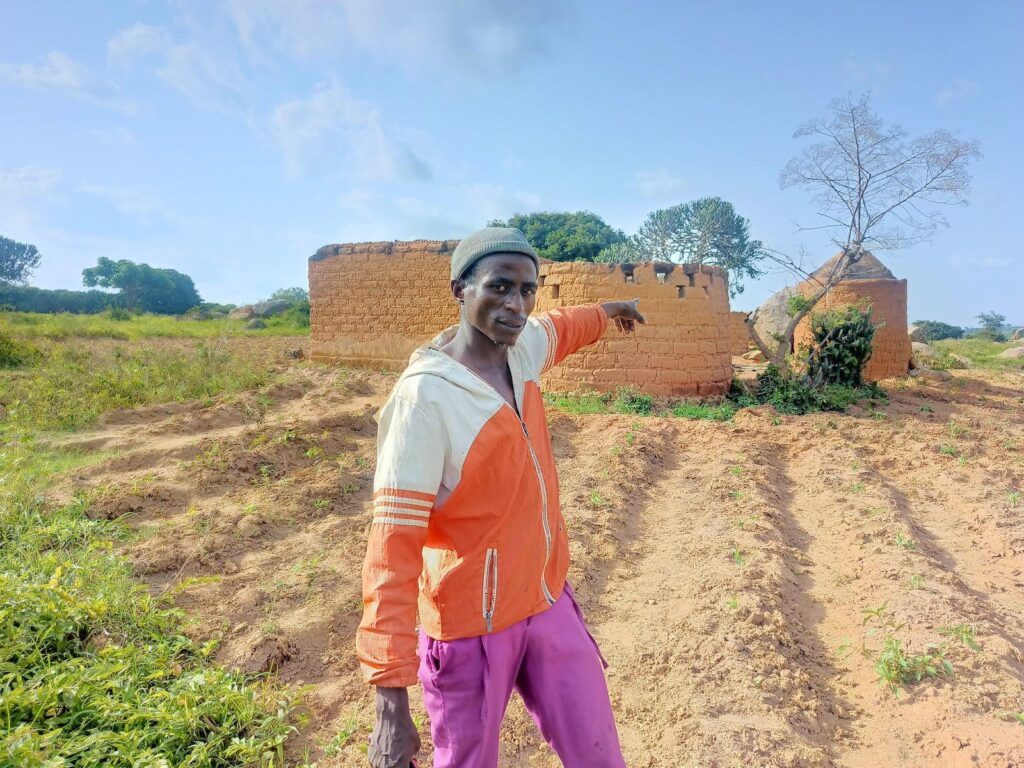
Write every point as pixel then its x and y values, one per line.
pixel 627 272
pixel 554 291
pixel 540 281
pixel 680 292
pixel 707 291
pixel 661 278
pixel 693 280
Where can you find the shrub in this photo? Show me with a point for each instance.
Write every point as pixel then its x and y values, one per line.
pixel 842 345
pixel 988 334
pixel 118 313
pixel 15 353
pixel 933 330
pixel 791 394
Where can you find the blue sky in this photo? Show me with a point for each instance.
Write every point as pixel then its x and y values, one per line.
pixel 230 139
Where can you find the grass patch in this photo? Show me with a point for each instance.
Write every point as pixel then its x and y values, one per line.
pixel 93 670
pixel 67 386
pixel 705 412
pixel 981 353
pixel 64 325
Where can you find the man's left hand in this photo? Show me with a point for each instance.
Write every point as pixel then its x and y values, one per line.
pixel 625 314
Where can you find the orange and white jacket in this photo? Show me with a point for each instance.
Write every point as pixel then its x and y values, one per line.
pixel 466 520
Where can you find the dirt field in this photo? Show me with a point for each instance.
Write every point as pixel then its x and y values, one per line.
pixel 725 567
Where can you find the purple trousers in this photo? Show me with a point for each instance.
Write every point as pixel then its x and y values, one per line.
pixel 552 661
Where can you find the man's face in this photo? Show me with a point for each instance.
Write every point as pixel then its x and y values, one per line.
pixel 499 295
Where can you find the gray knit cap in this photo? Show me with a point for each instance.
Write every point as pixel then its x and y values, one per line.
pixel 486 241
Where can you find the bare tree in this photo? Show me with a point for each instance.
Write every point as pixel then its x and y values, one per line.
pixel 874 189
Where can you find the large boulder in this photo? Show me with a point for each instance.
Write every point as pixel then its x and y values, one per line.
pixel 916 333
pixel 242 313
pixel 1018 335
pixel 773 317
pixel 268 308
pixel 1013 353
pixel 925 351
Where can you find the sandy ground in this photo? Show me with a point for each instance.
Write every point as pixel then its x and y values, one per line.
pixel 724 567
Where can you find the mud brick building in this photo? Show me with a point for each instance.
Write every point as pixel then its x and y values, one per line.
pixel 872 283
pixel 373 303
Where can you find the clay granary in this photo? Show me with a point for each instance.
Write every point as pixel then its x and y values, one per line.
pixel 869 282
pixel 374 303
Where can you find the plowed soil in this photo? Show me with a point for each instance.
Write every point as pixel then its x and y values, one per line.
pixel 725 568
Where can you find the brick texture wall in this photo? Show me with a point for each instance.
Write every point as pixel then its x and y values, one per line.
pixel 891 350
pixel 739 334
pixel 683 351
pixel 374 303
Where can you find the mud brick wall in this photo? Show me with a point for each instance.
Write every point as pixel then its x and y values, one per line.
pixel 739 334
pixel 372 304
pixel 685 349
pixel 891 350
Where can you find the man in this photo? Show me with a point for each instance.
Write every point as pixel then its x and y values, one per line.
pixel 467 528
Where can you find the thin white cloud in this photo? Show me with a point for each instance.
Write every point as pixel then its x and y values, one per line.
pixel 493 201
pixel 657 183
pixel 25 193
pixel 332 129
pixel 206 78
pixel 62 74
pixel 485 37
pixel 134 203
pixel 957 90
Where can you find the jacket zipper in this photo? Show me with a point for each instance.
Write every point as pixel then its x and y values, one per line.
pixel 490 601
pixel 540 479
pixel 543 516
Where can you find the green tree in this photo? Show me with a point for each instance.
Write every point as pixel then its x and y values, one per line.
pixel 17 260
pixel 291 295
pixel 563 236
pixel 935 330
pixel 992 320
pixel 145 288
pixel 623 252
pixel 704 231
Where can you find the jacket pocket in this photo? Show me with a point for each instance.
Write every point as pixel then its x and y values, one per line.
pixel 490 587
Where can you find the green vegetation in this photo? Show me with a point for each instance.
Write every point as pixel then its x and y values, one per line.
pixel 904 542
pixel 564 236
pixel 94 671
pixel 934 330
pixel 842 345
pixel 895 666
pixel 981 353
pixel 961 633
pixel 793 395
pixel 68 386
pixel 28 325
pixel 142 287
pixel 703 231
pixel 17 260
pixel 700 411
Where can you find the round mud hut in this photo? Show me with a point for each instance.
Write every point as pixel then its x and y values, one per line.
pixel 869 282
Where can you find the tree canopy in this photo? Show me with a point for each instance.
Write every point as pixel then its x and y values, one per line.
pixel 17 260
pixel 290 294
pixel 703 231
pixel 563 236
pixel 146 288
pixel 992 320
pixel 934 330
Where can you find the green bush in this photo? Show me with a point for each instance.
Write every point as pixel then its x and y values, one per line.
pixel 988 334
pixel 26 298
pixel 15 353
pixel 118 313
pixel 842 345
pixel 791 394
pixel 628 400
pixel 933 330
